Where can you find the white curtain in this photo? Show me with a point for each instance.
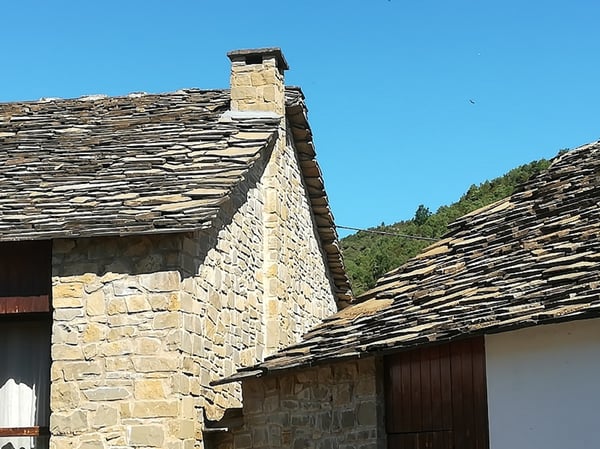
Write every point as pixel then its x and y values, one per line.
pixel 24 380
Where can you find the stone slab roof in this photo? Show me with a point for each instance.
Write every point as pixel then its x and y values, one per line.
pixel 142 164
pixel 530 259
pixel 119 166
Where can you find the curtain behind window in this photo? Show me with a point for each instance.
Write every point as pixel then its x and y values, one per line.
pixel 24 379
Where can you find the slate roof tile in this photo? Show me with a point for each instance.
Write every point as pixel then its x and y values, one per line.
pixel 533 258
pixel 142 163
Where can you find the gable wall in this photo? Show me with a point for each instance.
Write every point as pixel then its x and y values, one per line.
pixel 543 386
pixel 258 284
pixel 299 291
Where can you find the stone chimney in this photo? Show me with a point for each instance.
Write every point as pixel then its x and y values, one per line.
pixel 257 80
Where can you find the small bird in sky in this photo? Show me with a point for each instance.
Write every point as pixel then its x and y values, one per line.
pixel 471 101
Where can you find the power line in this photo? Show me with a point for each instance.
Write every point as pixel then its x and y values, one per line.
pixel 414 237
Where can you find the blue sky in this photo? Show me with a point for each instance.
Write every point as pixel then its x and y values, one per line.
pixel 388 83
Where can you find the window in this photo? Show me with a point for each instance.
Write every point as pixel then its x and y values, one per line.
pixel 25 329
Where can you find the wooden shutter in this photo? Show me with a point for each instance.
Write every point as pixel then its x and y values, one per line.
pixel 436 397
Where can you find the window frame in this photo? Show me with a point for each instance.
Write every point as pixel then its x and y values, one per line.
pixel 25 296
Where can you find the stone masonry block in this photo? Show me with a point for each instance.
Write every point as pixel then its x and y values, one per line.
pixel 67 290
pixel 105 416
pixel 155 409
pixel 150 389
pixel 106 393
pixel 148 436
pixel 161 282
pixel 95 303
pixel 64 396
pixel 68 423
pixel 66 352
pixel 155 364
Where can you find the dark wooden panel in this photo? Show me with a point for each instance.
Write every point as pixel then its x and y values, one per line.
pixel 446 386
pixel 24 304
pixel 458 399
pixel 421 440
pixel 405 395
pixel 427 405
pixel 480 394
pixel 437 394
pixel 25 268
pixel 415 391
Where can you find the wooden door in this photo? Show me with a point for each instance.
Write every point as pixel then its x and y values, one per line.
pixel 436 397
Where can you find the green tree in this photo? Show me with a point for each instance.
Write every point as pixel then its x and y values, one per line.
pixel 368 256
pixel 421 215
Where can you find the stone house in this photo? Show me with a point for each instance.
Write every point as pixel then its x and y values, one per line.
pixel 151 244
pixel 488 339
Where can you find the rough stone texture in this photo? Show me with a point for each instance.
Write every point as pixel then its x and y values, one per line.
pixel 334 406
pixel 260 285
pixel 143 324
pixel 257 87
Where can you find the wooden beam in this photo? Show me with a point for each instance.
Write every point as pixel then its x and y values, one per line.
pixel 34 431
pixel 24 304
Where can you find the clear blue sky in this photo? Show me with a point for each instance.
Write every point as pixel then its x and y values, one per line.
pixel 388 83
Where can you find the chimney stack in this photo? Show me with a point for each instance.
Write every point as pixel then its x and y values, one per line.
pixel 257 80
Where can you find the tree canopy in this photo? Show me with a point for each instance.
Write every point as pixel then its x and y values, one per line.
pixel 368 256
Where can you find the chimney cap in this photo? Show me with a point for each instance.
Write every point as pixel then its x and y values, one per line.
pixel 237 55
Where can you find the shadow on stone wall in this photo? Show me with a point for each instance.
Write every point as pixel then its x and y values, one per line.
pixel 144 254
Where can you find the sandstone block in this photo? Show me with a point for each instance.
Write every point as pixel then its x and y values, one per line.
pixel 166 320
pixel 64 396
pixel 161 282
pixel 126 286
pixel 94 332
pixel 95 303
pixel 66 301
pixel 182 428
pixel 106 393
pixel 154 409
pixel 66 352
pixel 66 290
pixel 150 389
pixel 155 364
pixel 115 348
pixel 149 436
pixel 137 303
pixel 68 423
pixel 366 414
pixel 67 314
pixel 116 306
pixel 105 416
pixel 147 345
pixel 93 444
pixel 118 364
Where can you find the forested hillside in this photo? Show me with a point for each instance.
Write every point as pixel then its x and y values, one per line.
pixel 367 255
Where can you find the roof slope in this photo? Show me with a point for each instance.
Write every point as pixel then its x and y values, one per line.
pixel 533 258
pixel 124 165
pixel 141 164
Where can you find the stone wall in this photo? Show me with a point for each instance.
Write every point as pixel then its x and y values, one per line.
pixel 256 285
pixel 115 370
pixel 298 286
pixel 143 324
pixel 333 406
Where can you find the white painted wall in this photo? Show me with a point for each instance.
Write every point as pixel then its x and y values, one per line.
pixel 544 387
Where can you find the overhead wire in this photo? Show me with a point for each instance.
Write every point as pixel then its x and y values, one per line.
pixel 414 237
